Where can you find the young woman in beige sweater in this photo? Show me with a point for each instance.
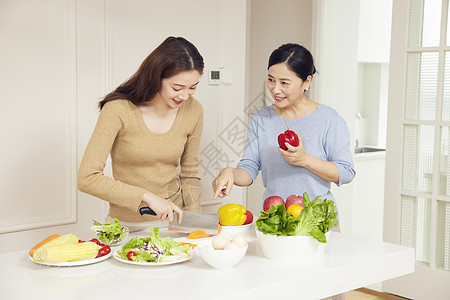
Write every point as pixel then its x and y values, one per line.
pixel 150 125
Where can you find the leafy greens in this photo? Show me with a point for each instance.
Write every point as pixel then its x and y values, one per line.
pixel 110 233
pixel 316 219
pixel 154 248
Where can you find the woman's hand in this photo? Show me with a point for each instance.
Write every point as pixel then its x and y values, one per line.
pixel 223 183
pixel 163 208
pixel 296 156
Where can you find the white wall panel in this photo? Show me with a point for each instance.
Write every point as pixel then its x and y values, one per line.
pixel 37 114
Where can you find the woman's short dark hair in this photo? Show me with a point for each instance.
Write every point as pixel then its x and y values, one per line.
pixel 297 58
pixel 172 56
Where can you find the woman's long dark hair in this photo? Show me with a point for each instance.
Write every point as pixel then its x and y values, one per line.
pixel 174 55
pixel 298 59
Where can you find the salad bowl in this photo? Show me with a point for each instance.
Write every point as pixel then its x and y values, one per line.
pixel 111 234
pixel 291 248
pixel 119 241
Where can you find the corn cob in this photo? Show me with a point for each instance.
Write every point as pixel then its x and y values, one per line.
pixel 70 252
pixel 62 240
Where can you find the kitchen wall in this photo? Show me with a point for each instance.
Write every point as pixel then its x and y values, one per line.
pixel 337 82
pixel 59 58
pixel 374 44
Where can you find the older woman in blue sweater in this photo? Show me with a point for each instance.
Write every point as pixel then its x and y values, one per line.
pixel 323 155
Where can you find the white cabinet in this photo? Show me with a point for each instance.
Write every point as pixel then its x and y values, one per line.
pixel 361 203
pixel 368 197
pixel 374 37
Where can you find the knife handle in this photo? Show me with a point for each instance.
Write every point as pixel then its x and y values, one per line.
pixel 146 211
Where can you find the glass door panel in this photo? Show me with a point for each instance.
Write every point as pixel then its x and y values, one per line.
pixel 444 162
pixel 418 158
pixel 443 236
pixel 421 85
pixel 415 226
pixel 424 23
pixel 448 27
pixel 446 89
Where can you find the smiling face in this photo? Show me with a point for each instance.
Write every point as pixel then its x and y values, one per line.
pixel 285 86
pixel 178 88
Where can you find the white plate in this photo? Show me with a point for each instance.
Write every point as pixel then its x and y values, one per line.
pixel 153 264
pixel 72 263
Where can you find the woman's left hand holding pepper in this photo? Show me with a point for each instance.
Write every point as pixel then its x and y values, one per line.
pixel 296 156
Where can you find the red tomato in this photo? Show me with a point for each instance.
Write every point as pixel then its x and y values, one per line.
pixel 130 254
pixel 80 241
pixel 104 251
pixel 95 241
pixel 289 137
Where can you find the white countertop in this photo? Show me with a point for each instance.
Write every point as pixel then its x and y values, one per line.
pixel 349 263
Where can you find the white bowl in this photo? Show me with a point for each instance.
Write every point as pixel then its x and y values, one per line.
pixel 221 259
pixel 236 229
pixel 291 248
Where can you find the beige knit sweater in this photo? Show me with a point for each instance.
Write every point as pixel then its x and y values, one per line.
pixel 142 160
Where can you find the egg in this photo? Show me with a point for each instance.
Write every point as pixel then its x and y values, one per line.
pixel 239 240
pixel 219 242
pixel 231 245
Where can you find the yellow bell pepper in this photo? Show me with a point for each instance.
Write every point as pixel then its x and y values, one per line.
pixel 232 215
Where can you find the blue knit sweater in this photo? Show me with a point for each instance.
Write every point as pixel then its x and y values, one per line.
pixel 324 134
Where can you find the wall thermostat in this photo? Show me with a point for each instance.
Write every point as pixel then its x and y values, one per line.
pixel 215 77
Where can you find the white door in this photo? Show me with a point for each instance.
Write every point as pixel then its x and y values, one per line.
pixel 417 197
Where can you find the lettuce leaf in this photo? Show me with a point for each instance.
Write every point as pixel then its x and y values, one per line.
pixel 317 218
pixel 276 221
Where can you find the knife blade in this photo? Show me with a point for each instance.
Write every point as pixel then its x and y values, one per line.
pixel 192 220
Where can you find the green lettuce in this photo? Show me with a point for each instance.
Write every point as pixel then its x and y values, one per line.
pixel 317 218
pixel 154 248
pixel 110 233
pixel 276 221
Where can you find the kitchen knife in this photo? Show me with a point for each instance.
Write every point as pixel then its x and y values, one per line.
pixel 192 220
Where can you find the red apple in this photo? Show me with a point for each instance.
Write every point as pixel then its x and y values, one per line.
pixel 272 200
pixel 294 199
pixel 249 216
